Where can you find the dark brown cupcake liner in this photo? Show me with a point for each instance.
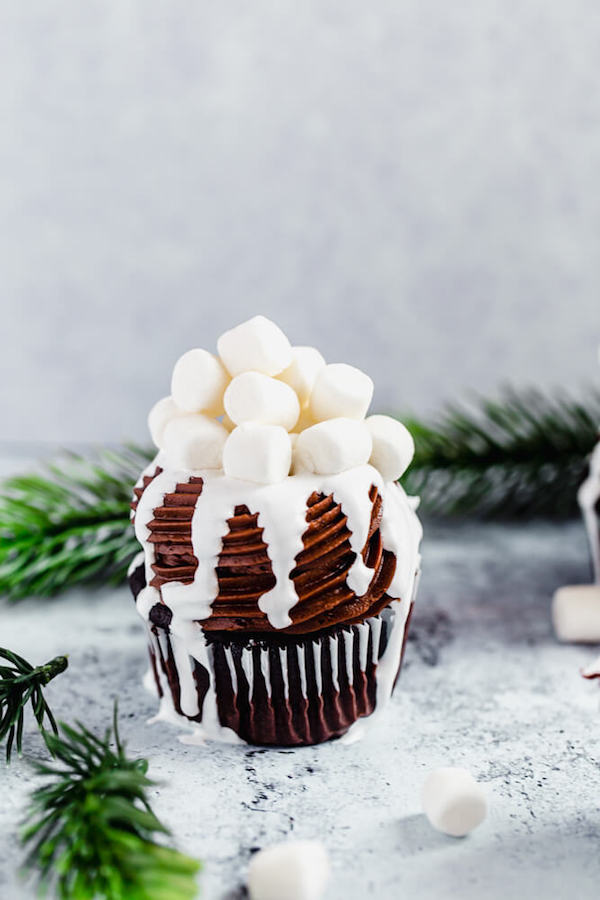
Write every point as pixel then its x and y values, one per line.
pixel 285 690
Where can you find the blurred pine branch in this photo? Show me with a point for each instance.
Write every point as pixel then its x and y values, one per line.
pixel 69 522
pixel 520 456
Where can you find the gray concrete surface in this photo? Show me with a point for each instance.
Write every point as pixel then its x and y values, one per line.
pixel 485 686
pixel 412 186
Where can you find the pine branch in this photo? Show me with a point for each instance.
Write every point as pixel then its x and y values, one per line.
pixel 68 523
pixel 521 456
pixel 90 830
pixel 20 684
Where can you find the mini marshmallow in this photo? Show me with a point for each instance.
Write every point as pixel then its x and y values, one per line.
pixel 195 441
pixel 198 382
pixel 340 391
pixel 393 446
pixel 332 447
pixel 257 345
pixel 301 375
pixel 576 613
pixel 294 870
pixel 305 420
pixel 253 397
pixel 258 453
pixel 453 801
pixel 159 417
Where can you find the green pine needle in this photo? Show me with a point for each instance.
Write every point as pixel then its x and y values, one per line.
pixel 90 830
pixel 20 684
pixel 522 456
pixel 69 523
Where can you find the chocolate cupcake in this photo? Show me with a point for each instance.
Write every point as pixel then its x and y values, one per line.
pixel 280 556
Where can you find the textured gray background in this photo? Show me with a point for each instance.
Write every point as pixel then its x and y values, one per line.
pixel 413 186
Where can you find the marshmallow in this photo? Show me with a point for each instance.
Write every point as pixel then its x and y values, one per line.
pixel 159 417
pixel 301 375
pixel 576 613
pixel 257 345
pixel 332 447
pixel 294 870
pixel 305 420
pixel 340 390
pixel 253 397
pixel 195 441
pixel 198 382
pixel 453 801
pixel 393 446
pixel 258 453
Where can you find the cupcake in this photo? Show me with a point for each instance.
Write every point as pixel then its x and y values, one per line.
pixel 279 555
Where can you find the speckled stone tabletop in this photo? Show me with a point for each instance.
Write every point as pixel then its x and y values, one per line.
pixel 484 686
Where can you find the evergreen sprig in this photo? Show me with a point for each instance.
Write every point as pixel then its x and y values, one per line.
pixel 20 684
pixel 521 456
pixel 68 523
pixel 90 830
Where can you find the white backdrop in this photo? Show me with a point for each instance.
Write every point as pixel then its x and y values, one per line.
pixel 412 185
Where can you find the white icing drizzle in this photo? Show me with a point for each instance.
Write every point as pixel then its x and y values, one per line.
pixel 247 661
pixel 363 645
pixel 376 635
pixel 401 533
pixel 284 671
pixel 588 496
pixel 137 560
pixel 349 648
pixel 333 652
pixel 316 654
pixel 263 660
pixel 281 512
pixel 231 667
pixel 302 667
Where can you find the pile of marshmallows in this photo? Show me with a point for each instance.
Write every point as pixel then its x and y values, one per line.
pixel 263 410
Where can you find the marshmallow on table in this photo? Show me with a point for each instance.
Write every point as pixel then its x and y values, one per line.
pixel 159 417
pixel 301 375
pixel 194 441
pixel 253 397
pixel 393 446
pixel 257 345
pixel 340 390
pixel 198 382
pixel 305 420
pixel 332 447
pixel 576 613
pixel 294 870
pixel 453 801
pixel 258 453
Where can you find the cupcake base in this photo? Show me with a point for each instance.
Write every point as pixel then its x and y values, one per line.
pixel 277 689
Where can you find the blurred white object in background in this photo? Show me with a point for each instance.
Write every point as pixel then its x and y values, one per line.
pixel 294 870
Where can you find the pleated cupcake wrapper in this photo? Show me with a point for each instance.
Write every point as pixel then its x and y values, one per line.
pixel 278 690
